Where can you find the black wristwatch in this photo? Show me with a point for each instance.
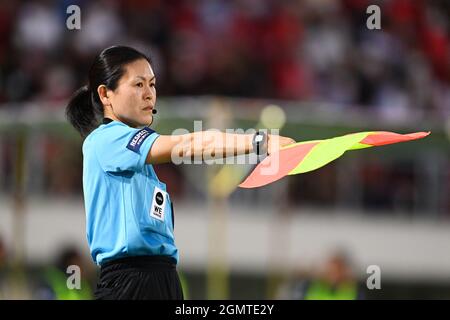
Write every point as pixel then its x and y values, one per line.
pixel 260 143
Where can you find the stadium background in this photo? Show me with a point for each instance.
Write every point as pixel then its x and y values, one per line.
pixel 223 62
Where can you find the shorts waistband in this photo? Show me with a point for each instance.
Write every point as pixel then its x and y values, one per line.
pixel 139 262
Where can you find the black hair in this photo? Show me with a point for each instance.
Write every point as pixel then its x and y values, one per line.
pixel 85 110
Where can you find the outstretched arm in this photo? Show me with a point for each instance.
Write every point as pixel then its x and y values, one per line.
pixel 206 145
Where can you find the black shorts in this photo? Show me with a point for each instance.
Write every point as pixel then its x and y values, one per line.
pixel 139 278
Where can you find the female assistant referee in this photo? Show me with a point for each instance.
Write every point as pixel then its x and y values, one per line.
pixel 129 214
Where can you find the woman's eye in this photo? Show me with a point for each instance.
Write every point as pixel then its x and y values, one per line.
pixel 140 84
pixel 152 85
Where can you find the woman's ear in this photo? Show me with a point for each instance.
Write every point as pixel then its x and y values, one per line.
pixel 103 95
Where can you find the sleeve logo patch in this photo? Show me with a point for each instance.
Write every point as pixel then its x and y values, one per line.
pixel 138 138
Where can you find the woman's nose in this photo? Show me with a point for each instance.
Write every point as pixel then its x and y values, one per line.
pixel 148 95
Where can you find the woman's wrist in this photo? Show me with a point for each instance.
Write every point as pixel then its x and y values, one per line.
pixel 260 143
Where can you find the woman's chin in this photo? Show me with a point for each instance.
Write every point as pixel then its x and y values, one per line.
pixel 147 120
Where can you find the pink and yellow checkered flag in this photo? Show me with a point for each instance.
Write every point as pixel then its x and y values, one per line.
pixel 307 156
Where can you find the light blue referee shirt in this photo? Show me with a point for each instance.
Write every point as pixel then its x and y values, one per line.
pixel 128 211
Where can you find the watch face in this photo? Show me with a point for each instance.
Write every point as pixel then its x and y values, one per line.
pixel 258 138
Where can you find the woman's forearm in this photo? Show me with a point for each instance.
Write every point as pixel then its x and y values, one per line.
pixel 199 146
pixel 207 145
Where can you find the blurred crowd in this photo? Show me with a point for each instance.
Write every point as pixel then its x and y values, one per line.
pixel 309 50
pixel 333 279
pixel 70 276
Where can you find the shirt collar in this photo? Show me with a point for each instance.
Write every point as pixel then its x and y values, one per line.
pixel 107 120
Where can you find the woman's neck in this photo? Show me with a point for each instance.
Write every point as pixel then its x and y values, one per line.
pixel 112 116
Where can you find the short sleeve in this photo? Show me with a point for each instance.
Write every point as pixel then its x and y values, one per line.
pixel 122 148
